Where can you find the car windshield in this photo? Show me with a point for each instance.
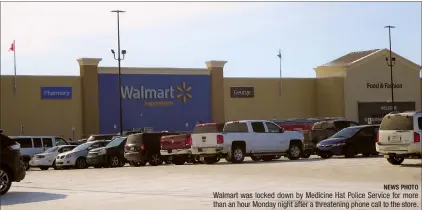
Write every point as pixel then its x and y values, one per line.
pixel 116 142
pixel 346 133
pixel 52 149
pixel 83 146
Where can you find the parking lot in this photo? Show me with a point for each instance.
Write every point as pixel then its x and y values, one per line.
pixel 192 186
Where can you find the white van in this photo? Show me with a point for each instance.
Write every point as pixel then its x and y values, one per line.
pixel 32 145
pixel 399 136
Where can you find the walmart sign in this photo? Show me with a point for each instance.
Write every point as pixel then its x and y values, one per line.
pixel 157 96
pixel 162 102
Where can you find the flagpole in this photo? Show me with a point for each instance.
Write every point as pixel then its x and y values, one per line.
pixel 279 56
pixel 14 62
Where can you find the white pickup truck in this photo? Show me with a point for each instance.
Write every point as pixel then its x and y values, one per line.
pixel 259 139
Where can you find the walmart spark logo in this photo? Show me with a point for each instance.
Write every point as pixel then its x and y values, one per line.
pixel 184 94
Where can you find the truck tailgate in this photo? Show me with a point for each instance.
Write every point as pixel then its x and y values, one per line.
pixel 201 140
pixel 175 142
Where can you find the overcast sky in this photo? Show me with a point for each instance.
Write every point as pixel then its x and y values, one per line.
pixel 51 36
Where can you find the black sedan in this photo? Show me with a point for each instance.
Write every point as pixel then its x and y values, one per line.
pixel 350 142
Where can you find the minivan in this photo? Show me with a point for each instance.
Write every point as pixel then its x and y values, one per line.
pixel 32 145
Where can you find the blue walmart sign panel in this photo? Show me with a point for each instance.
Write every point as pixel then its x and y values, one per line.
pixel 56 92
pixel 163 102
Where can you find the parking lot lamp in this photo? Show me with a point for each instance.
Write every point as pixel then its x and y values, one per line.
pixel 390 62
pixel 119 59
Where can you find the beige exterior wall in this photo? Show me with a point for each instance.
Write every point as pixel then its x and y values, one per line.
pixel 335 92
pixel 39 117
pixel 297 100
pixel 330 97
pixel 374 70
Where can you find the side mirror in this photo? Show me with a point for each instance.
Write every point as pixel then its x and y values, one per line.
pixel 281 130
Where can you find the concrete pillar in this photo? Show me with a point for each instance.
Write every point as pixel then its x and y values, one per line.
pixel 89 83
pixel 217 90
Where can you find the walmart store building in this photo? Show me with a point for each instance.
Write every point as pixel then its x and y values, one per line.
pixel 355 86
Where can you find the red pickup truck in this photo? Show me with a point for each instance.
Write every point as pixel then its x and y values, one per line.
pixel 177 148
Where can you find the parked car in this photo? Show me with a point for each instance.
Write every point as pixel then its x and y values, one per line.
pixel 259 139
pixel 111 155
pixel 322 130
pixel 12 168
pixel 350 142
pixel 399 137
pixel 177 148
pixel 47 159
pixel 31 145
pixel 145 147
pixel 101 137
pixel 77 157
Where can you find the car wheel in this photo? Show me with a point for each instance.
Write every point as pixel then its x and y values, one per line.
pixel 113 162
pixel 210 160
pixel 81 163
pixel 326 155
pixel 5 180
pixel 238 155
pixel 256 158
pixel 295 152
pixel 122 163
pixel 26 164
pixel 154 160
pixel 350 152
pixel 366 154
pixel 395 160
pixel 44 168
pixel 54 166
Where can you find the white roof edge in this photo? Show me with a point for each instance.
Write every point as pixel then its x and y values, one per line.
pixel 364 57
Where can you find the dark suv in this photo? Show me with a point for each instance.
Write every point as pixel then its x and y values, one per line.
pixel 11 165
pixel 145 147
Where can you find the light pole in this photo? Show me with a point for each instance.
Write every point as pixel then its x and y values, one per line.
pixel 390 62
pixel 119 59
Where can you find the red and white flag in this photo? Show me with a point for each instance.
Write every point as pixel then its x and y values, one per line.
pixel 12 47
